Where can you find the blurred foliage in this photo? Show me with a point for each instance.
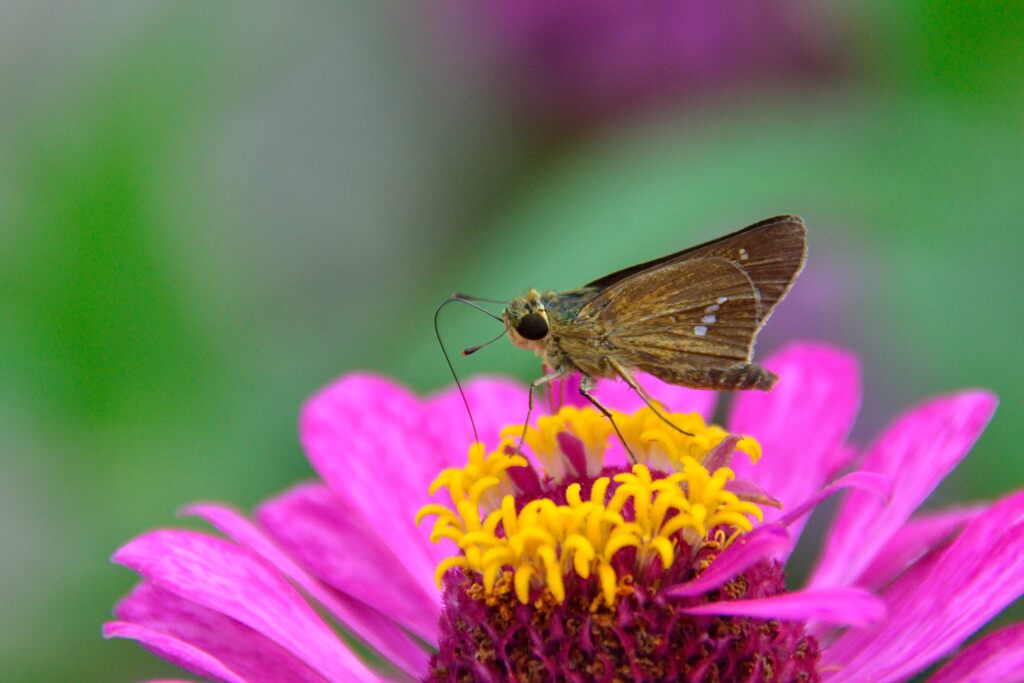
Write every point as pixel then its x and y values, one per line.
pixel 207 211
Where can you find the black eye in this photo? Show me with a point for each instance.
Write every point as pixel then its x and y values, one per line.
pixel 533 326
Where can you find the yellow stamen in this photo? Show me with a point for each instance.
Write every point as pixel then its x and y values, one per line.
pixel 667 499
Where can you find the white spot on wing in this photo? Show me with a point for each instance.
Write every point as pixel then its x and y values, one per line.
pixel 709 319
pixel 700 330
pixel 712 308
pixel 743 254
pixel 722 299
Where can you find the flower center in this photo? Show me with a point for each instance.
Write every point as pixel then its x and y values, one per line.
pixel 561 557
pixel 577 517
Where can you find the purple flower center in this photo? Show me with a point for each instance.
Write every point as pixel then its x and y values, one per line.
pixel 563 564
pixel 494 637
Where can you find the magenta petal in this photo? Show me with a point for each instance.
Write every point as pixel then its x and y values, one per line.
pixel 496 403
pixel 575 455
pixel 190 658
pixel 359 611
pixel 801 423
pixel 250 655
pixel 871 482
pixel 365 437
pixel 840 459
pixel 916 453
pixel 938 603
pixel 999 656
pixel 914 540
pixel 618 395
pixel 721 455
pixel 312 524
pixel 745 551
pixel 526 479
pixel 223 577
pixel 748 490
pixel 846 606
pixel 562 392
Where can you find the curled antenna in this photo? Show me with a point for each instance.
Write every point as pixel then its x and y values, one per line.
pixel 469 297
pixel 447 358
pixel 469 301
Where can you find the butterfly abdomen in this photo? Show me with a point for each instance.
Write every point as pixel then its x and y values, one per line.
pixel 735 378
pixel 747 376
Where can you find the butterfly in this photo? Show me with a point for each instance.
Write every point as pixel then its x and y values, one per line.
pixel 689 318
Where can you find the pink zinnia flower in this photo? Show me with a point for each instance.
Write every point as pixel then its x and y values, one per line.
pixel 573 568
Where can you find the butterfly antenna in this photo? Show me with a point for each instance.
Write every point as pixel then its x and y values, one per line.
pixel 447 358
pixel 470 297
pixel 473 349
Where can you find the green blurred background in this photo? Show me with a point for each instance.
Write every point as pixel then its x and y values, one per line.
pixel 208 210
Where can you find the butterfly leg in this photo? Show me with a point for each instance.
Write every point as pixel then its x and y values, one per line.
pixel 628 378
pixel 534 385
pixel 586 386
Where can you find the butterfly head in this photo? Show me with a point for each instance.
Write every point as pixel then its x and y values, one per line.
pixel 527 321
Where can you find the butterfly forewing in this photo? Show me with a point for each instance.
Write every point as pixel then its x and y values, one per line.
pixel 701 307
pixel 771 253
pixel 689 315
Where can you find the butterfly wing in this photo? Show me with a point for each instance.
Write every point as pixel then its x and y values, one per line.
pixel 692 318
pixel 697 311
pixel 771 252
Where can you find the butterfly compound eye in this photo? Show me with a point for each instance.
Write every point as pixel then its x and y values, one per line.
pixel 532 326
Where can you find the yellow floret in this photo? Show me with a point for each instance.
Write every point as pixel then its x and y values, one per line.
pixel 484 479
pixel 543 543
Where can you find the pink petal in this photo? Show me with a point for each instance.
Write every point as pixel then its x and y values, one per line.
pixel 378 447
pixel 938 603
pixel 496 403
pixel 916 453
pixel 562 392
pixel 181 654
pixel 243 651
pixel 847 606
pixel 721 455
pixel 314 526
pixel 223 577
pixel 999 656
pixel 916 538
pixel 573 453
pixel 364 435
pixel 872 482
pixel 840 458
pixel 352 609
pixel 801 423
pixel 617 395
pixel 748 490
pixel 744 552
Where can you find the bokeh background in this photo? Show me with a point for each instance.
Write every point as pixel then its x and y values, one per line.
pixel 208 210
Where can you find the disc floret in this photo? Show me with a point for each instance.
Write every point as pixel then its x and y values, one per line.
pixel 577 518
pixel 562 559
